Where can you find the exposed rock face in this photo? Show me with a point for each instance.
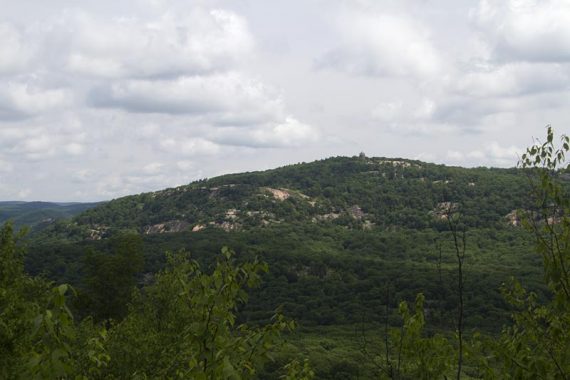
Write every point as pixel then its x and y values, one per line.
pixel 166 227
pixel 326 217
pixel 514 218
pixel 444 209
pixel 198 227
pixel 232 214
pixel 226 226
pixel 279 194
pixel 554 220
pixel 97 232
pixel 282 194
pixel 263 214
pixel 94 235
pixel 394 163
pixel 356 212
pixel 215 191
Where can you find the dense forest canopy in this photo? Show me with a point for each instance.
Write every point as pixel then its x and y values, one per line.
pixel 350 244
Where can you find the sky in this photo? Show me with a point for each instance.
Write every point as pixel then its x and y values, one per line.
pixel 101 99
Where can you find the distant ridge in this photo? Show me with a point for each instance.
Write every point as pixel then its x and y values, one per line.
pixel 357 192
pixel 40 214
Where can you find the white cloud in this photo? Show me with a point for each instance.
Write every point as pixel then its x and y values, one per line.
pixel 149 131
pixel 226 99
pixel 82 176
pixel 526 30
pixel 15 54
pixel 190 147
pixel 173 44
pixel 23 100
pixel 514 79
pixel 120 183
pixel 108 98
pixel 394 112
pixel 74 148
pixel 382 44
pixel 184 165
pixel 40 140
pixel 291 132
pixel 5 166
pixel 414 116
pixel 24 193
pixel 504 155
pixel 492 153
pixel 454 155
pixel 11 135
pixel 153 168
pixel 36 147
pixel 426 157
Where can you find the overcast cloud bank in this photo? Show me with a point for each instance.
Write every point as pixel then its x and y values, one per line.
pixel 103 100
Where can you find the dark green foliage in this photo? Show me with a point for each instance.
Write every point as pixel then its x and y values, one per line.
pixel 183 325
pixel 38 215
pixel 17 303
pixel 347 227
pixel 331 275
pixel 347 230
pixel 537 345
pixel 37 331
pixel 385 193
pixel 109 279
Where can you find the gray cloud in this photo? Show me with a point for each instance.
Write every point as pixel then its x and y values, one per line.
pixel 226 98
pixel 526 30
pixel 15 53
pixel 23 100
pixel 382 44
pixel 102 99
pixel 289 133
pixel 193 42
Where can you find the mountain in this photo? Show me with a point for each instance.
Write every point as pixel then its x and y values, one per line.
pixel 39 214
pixel 357 192
pixel 346 239
pixel 348 224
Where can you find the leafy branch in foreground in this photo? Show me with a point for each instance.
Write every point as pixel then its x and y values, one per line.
pixel 181 326
pixel 184 325
pixel 537 346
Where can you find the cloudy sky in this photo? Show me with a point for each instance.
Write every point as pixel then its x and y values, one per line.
pixel 100 99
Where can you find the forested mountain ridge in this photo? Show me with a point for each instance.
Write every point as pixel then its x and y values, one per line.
pixel 345 225
pixel 357 192
pixel 40 214
pixel 346 240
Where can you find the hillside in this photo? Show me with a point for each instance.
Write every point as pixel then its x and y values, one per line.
pixel 348 224
pixel 40 214
pixel 358 192
pixel 345 238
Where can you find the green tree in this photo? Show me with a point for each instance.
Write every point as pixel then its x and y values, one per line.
pixel 184 325
pixel 538 344
pixel 18 302
pixel 410 353
pixel 111 278
pixel 39 338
